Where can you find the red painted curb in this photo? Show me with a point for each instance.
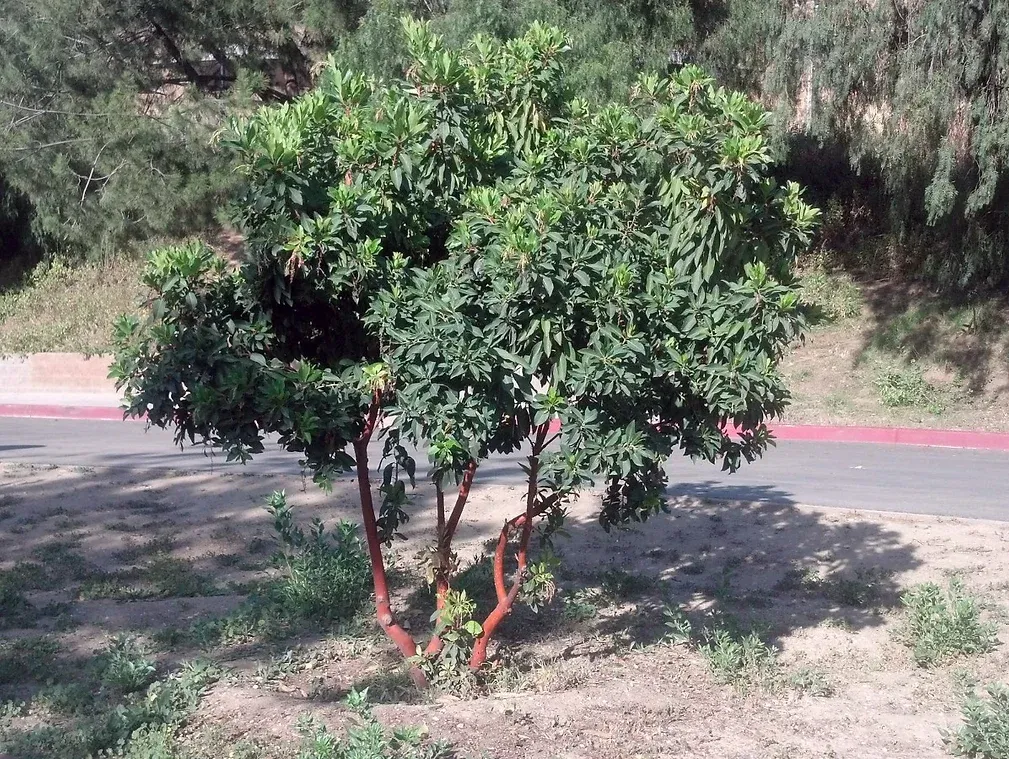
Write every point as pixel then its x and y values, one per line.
pixel 990 441
pixel 33 411
pixel 987 441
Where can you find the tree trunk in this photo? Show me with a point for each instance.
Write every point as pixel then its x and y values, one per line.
pixel 506 598
pixel 383 608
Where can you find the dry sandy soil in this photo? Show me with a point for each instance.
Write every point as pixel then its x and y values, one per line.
pixel 602 688
pixel 961 351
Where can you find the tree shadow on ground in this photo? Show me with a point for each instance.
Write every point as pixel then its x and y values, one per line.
pixel 911 323
pixel 746 551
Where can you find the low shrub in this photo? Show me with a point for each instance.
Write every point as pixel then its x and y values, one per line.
pixel 985 732
pixel 326 576
pixel 943 625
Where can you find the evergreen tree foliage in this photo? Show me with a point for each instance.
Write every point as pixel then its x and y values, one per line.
pixel 916 94
pixel 110 108
pixel 611 42
pixel 897 107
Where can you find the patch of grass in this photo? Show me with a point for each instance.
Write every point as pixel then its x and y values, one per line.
pixel 62 563
pixel 832 297
pixel 904 387
pixel 737 658
pixel 68 307
pixel 137 725
pixel 160 577
pixel 325 578
pixel 985 732
pixel 860 590
pixel 26 659
pixel 65 699
pixel 255 620
pixel 160 544
pixel 120 525
pixel 942 625
pixel 621 585
pixel 17 611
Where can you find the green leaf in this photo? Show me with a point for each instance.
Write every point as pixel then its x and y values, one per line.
pixel 474 628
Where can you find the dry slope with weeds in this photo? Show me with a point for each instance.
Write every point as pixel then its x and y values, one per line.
pixel 796 645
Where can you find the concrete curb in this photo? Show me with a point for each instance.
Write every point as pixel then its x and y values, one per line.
pixel 815 433
pixel 988 441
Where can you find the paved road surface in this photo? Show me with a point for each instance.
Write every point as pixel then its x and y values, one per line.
pixel 912 479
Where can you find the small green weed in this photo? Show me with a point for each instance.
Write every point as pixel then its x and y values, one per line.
pixel 369 740
pixel 325 578
pixel 580 606
pixel 15 609
pixel 124 665
pixel 985 732
pixel 58 563
pixel 736 658
pixel 326 575
pixel 68 699
pixel 621 585
pixel 162 544
pixel 861 590
pixel 448 670
pixel 160 577
pixel 741 660
pixel 811 681
pixel 258 619
pixel 907 387
pixel 943 625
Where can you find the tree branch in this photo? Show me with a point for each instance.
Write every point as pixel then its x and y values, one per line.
pixel 383 607
pixel 173 50
pixel 506 599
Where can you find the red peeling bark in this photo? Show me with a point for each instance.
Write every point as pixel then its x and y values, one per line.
pixel 383 608
pixel 506 597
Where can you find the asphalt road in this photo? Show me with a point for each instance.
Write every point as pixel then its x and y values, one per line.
pixel 938 481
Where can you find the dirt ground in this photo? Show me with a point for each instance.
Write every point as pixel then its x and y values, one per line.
pixel 960 350
pixel 607 687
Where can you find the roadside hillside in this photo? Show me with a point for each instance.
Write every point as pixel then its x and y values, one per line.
pixel 880 352
pixel 892 353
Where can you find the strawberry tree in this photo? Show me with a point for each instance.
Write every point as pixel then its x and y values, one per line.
pixel 467 261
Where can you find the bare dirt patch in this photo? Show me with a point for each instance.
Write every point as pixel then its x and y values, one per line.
pixel 591 676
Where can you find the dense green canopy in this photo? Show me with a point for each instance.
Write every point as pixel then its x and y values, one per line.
pixel 893 112
pixel 464 259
